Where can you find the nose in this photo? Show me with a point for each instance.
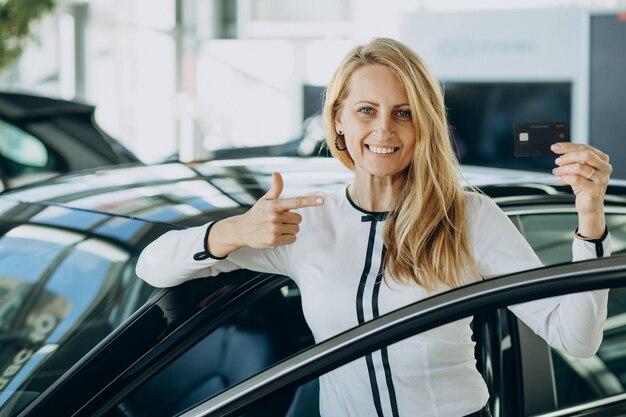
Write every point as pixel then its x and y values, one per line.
pixel 383 126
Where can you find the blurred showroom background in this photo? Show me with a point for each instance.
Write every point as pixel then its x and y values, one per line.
pixel 182 78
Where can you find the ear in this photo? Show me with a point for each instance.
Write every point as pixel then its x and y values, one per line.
pixel 338 127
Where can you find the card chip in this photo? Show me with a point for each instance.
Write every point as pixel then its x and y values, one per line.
pixel 534 139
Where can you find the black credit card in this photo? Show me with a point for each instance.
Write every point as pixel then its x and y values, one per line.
pixel 535 138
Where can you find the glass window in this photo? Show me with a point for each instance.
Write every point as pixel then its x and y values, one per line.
pixel 22 148
pixel 61 292
pixel 551 235
pixel 261 334
pixel 23 155
pixel 19 146
pixel 604 374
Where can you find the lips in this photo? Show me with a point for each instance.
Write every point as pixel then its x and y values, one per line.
pixel 382 150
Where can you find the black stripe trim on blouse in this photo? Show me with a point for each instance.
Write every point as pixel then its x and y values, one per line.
pixel 201 256
pixel 361 317
pixel 598 243
pixel 375 392
pixel 384 353
pixel 370 216
pixel 365 273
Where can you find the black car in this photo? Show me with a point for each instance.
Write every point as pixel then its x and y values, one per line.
pixel 81 335
pixel 42 137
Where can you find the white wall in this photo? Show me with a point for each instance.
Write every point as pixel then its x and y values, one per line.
pixel 507 45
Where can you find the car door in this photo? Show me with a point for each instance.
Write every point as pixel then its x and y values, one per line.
pixel 573 381
pixel 482 297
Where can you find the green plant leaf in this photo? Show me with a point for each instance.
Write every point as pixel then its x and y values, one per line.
pixel 16 21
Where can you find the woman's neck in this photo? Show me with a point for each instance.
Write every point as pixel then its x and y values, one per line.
pixel 375 193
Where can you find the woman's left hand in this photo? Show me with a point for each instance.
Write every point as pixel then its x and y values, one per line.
pixel 587 170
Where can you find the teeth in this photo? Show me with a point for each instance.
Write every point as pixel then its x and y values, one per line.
pixel 378 149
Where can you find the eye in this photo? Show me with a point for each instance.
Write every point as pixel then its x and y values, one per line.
pixel 404 114
pixel 366 110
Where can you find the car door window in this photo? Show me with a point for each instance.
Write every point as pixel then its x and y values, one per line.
pixel 263 332
pixel 604 374
pixel 22 155
pixel 551 234
pixel 582 380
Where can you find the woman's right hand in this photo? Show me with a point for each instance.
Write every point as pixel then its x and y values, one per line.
pixel 268 224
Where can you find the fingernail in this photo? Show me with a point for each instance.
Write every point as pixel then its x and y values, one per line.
pixel 557 161
pixel 319 200
pixel 555 147
pixel 554 171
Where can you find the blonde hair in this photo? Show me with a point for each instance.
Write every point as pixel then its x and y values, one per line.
pixel 425 233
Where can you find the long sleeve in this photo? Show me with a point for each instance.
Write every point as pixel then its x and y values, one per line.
pixel 170 260
pixel 572 323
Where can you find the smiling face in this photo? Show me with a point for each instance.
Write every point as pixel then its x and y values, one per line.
pixel 375 119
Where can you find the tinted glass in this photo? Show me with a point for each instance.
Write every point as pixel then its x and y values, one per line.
pixel 551 235
pixel 23 156
pixel 19 146
pixel 61 292
pixel 604 374
pixel 261 333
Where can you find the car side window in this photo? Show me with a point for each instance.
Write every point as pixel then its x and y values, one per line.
pixel 23 155
pixel 604 374
pixel 264 332
pixel 551 234
pixel 582 380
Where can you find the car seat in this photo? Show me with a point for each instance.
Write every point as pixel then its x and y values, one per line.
pixel 242 347
pixel 306 401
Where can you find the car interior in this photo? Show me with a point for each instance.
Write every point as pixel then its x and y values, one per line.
pixel 267 331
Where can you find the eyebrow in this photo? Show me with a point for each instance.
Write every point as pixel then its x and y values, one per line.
pixel 373 103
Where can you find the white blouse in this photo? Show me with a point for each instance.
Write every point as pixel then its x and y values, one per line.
pixel 336 264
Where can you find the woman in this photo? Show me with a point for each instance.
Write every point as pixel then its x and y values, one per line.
pixel 402 230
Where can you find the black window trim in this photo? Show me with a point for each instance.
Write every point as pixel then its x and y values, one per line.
pixel 557 209
pixel 583 409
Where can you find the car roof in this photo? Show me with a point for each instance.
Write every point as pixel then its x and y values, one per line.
pixel 19 105
pixel 174 193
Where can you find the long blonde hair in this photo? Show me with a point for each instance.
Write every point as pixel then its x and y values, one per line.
pixel 425 233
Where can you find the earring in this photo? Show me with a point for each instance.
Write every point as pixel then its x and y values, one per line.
pixel 337 146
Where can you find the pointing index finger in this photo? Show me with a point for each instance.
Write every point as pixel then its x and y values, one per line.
pixel 298 202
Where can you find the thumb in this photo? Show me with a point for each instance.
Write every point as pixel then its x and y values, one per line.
pixel 277 187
